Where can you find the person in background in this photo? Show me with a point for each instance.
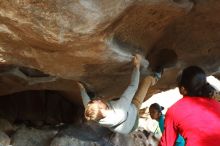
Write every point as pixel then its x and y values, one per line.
pixel 155 111
pixel 197 115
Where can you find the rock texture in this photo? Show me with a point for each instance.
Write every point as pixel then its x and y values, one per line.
pixel 4 139
pixel 48 45
pixel 32 137
pixel 77 134
pixel 38 108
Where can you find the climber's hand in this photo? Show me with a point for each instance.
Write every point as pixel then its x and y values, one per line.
pixel 81 86
pixel 137 60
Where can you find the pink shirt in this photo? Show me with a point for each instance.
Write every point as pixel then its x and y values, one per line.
pixel 197 119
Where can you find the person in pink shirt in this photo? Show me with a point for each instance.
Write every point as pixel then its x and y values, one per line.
pixel 197 115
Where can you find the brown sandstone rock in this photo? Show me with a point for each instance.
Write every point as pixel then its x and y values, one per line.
pixel 93 42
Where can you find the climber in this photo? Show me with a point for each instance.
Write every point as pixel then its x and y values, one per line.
pixel 120 115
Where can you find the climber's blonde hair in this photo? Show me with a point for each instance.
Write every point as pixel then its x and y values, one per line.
pixel 93 111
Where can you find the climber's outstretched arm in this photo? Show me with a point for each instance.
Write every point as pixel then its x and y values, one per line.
pixel 85 96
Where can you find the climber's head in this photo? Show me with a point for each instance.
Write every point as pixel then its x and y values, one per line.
pixel 95 110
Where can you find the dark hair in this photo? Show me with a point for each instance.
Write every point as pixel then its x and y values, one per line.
pixel 157 107
pixel 193 79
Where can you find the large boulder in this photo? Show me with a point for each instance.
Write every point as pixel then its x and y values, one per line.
pixel 49 45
